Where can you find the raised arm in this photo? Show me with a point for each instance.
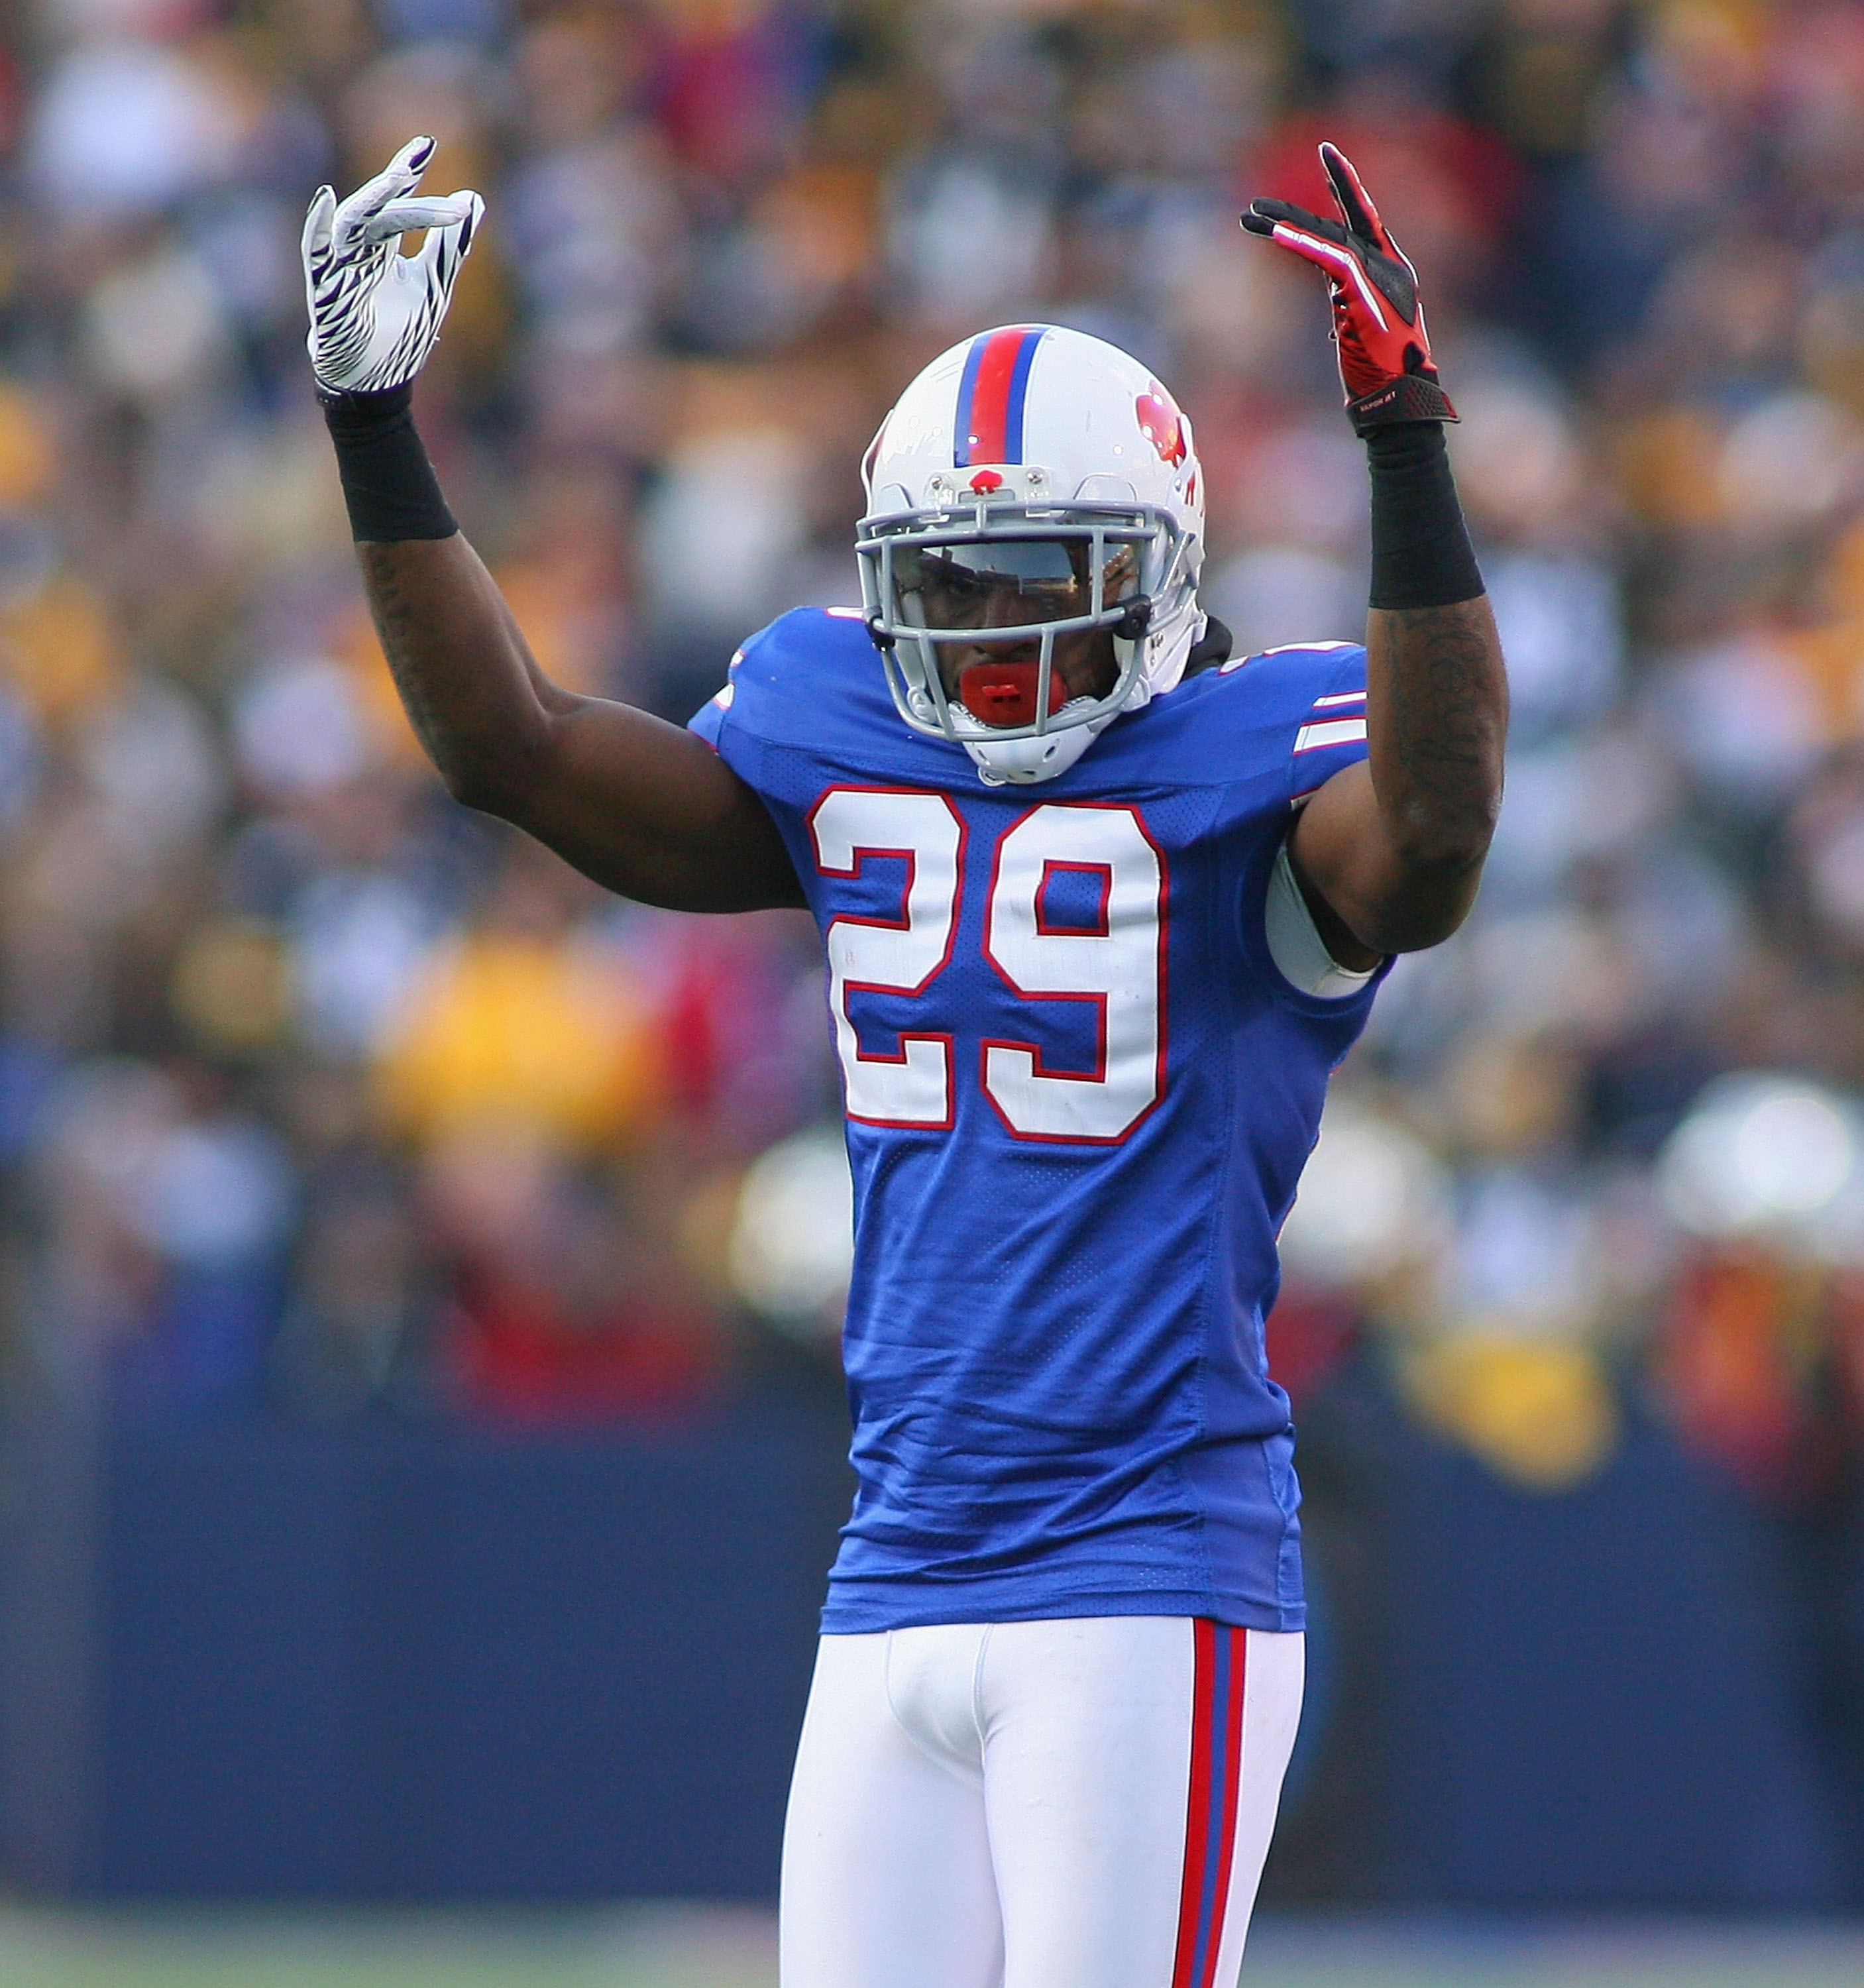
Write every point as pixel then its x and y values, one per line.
pixel 1390 852
pixel 1393 847
pixel 645 807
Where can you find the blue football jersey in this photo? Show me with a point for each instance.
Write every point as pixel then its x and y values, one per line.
pixel 1079 1097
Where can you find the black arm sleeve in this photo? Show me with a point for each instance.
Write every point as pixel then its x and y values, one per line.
pixel 387 481
pixel 1422 557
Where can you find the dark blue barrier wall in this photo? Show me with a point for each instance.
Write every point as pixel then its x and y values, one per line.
pixel 1603 1698
pixel 261 1662
pixel 444 1665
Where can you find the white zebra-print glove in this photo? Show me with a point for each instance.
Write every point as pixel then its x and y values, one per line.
pixel 375 312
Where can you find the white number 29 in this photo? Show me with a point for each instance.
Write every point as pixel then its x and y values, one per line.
pixel 1115 962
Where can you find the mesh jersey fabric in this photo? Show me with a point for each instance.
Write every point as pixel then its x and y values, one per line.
pixel 1055 1342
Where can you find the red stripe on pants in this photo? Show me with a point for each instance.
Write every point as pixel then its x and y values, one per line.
pixel 1233 1791
pixel 1197 1810
pixel 1216 1749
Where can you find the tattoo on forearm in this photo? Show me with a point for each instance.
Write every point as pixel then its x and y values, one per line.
pixel 1446 713
pixel 396 625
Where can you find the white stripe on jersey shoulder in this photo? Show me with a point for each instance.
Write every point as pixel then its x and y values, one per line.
pixel 1339 697
pixel 1285 649
pixel 845 613
pixel 1332 732
pixel 722 698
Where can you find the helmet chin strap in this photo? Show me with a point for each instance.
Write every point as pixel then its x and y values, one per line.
pixel 1021 762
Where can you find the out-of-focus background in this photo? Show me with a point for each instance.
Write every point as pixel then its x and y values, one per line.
pixel 419 1273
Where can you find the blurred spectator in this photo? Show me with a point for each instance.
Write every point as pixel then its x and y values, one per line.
pixel 310 1082
pixel 514 1024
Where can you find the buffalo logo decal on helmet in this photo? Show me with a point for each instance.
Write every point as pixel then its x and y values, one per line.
pixel 1161 424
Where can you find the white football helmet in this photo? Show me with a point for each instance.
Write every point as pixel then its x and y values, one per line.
pixel 1036 483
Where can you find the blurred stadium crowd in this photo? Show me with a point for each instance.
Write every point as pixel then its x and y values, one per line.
pixel 317 1092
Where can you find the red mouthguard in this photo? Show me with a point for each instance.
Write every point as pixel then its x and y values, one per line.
pixel 1004 694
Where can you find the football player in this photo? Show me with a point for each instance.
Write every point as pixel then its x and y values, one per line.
pixel 1103 908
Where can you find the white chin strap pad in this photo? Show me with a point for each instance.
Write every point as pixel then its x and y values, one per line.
pixel 1021 762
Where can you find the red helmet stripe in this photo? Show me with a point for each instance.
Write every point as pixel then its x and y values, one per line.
pixel 991 395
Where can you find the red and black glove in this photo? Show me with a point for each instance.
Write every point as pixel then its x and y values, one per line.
pixel 1379 323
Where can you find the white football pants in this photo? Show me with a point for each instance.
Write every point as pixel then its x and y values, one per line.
pixel 1075 1804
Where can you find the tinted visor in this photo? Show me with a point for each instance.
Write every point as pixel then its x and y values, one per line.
pixel 1010 582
